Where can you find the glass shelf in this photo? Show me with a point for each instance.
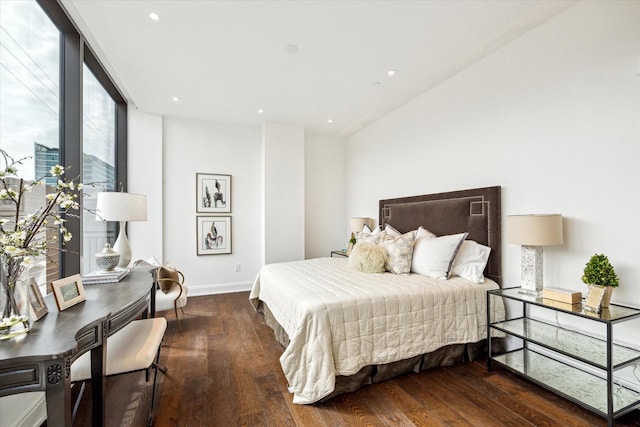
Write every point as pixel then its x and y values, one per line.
pixel 579 346
pixel 579 386
pixel 614 313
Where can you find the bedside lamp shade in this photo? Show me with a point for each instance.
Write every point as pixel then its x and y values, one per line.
pixel 122 207
pixel 358 223
pixel 532 232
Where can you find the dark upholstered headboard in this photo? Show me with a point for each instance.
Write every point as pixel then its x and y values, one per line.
pixel 475 211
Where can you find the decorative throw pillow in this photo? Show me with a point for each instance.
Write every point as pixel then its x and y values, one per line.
pixel 433 257
pixel 399 250
pixel 372 238
pixel 368 258
pixel 470 261
pixel 169 273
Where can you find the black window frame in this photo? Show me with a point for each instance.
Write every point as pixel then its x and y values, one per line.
pixel 74 53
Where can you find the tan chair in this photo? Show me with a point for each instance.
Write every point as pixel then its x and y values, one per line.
pixel 171 291
pixel 136 347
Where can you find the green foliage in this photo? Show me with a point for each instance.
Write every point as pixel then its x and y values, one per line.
pixel 599 271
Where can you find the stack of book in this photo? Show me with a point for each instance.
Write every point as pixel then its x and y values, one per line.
pixel 97 277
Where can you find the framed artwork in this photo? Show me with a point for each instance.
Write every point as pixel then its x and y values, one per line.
pixel 36 300
pixel 213 193
pixel 213 235
pixel 68 291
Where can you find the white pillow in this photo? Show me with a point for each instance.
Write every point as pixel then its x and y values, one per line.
pixel 391 231
pixel 366 229
pixel 470 261
pixel 433 257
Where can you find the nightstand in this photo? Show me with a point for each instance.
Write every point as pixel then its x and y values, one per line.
pixel 547 346
pixel 339 253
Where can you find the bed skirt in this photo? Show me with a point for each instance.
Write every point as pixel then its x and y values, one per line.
pixel 444 356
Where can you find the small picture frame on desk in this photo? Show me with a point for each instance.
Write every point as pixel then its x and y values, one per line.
pixel 36 301
pixel 68 291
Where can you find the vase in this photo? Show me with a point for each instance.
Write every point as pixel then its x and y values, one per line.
pixel 14 299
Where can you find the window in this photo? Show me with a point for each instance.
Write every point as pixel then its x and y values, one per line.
pixel 29 102
pixel 56 109
pixel 98 163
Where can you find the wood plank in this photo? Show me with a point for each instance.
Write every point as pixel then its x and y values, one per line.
pixel 224 370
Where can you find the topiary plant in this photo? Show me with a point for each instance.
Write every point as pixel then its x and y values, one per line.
pixel 599 271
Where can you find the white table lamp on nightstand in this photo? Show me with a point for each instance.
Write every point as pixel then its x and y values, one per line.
pixel 122 207
pixel 533 232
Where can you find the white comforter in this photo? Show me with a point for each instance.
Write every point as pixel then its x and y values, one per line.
pixel 340 320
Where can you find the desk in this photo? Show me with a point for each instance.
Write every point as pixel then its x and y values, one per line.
pixel 41 359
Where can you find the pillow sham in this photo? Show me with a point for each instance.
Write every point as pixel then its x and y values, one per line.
pixel 399 250
pixel 368 258
pixel 391 230
pixel 433 257
pixel 470 261
pixel 373 237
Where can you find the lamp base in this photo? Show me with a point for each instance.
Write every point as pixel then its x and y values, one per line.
pixel 531 274
pixel 122 246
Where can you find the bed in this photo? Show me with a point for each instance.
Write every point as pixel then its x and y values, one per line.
pixel 343 328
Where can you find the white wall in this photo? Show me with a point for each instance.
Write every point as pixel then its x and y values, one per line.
pixel 145 177
pixel 553 117
pixel 193 146
pixel 325 195
pixel 283 192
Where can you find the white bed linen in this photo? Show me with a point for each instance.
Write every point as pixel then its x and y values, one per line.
pixel 340 320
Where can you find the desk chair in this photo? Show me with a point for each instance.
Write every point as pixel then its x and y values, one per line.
pixel 172 291
pixel 135 347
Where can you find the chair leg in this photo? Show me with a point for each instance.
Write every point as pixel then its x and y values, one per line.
pixel 178 318
pixel 155 386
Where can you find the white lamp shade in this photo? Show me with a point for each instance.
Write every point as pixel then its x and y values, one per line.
pixel 534 230
pixel 358 223
pixel 114 206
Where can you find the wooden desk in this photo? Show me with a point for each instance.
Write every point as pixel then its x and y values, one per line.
pixel 41 359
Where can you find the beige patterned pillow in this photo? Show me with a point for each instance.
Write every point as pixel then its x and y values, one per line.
pixel 399 252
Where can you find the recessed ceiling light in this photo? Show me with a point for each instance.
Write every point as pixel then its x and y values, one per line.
pixel 175 99
pixel 391 73
pixel 291 49
pixel 330 121
pixel 154 16
pixel 260 111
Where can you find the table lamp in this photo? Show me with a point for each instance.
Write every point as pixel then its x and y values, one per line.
pixel 533 232
pixel 122 207
pixel 358 223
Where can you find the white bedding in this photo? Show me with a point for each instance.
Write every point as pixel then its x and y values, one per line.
pixel 340 320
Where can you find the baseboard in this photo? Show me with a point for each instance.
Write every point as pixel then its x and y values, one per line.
pixel 221 288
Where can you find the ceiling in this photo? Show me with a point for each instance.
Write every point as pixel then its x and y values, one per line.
pixel 225 60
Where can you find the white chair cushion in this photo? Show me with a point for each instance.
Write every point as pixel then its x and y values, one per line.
pixel 132 348
pixel 23 409
pixel 164 301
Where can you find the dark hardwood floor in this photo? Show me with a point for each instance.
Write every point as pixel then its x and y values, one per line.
pixel 223 370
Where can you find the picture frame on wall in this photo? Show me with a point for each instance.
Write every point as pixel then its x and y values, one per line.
pixel 213 193
pixel 68 291
pixel 213 235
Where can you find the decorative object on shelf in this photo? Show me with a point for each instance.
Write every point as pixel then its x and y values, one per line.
pixel 533 232
pixel 108 259
pixel 99 277
pixel 599 273
pixel 594 299
pixel 563 295
pixel 68 291
pixel 26 236
pixel 350 243
pixel 213 235
pixel 356 225
pixel 213 193
pixel 122 207
pixel 38 305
